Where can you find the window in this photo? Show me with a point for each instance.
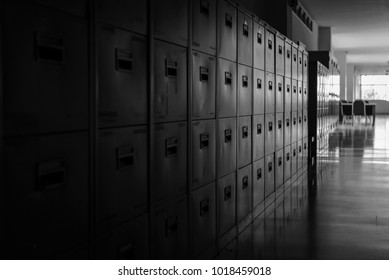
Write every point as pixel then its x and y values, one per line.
pixel 375 87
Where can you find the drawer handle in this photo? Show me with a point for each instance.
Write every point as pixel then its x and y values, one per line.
pixel 245 81
pixel 245 132
pixel 288 54
pixel 227 135
pixel 259 38
pixel 270 85
pixel 125 157
pixel 270 126
pixel 228 20
pixel 204 207
pixel 270 166
pixel 287 122
pixel 288 88
pixel 279 124
pixel 171 147
pixel 279 87
pixel 294 152
pixel 280 49
pixel 124 60
pixel 50 175
pixel 245 29
pixel 259 84
pixel 204 7
pixel 270 44
pixel 204 140
pixel 227 193
pixel 227 78
pixel 259 128
pixel 259 173
pixel 203 74
pixel 245 182
pixel 49 48
pixel 279 161
pixel 287 156
pixel 171 68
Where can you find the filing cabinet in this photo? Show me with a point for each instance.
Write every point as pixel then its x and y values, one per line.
pixel 226 146
pixel 203 153
pixel 287 163
pixel 300 125
pixel 270 50
pixel 300 64
pixel 203 86
pixel 245 139
pixel 300 96
pixel 279 131
pixel 245 90
pixel 258 131
pixel 294 127
pixel 279 94
pixel 226 203
pixel 270 128
pixel 279 168
pixel 122 78
pixel 269 175
pixel 204 18
pixel 288 123
pixel 287 95
pixel 226 88
pixel 170 79
pixel 258 182
pixel 245 39
pixel 294 152
pixel 259 85
pixel 305 96
pixel 288 58
pixel 244 192
pixel 280 54
pixel 170 165
pixel 270 96
pixel 259 45
pixel 227 32
pixel 294 95
pixel 294 61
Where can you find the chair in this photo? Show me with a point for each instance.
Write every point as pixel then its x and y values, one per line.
pixel 346 111
pixel 359 109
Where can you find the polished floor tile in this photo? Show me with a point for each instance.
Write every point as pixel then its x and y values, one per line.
pixel 347 218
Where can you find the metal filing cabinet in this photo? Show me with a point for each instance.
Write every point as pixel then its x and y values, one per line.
pixel 300 155
pixel 203 86
pixel 258 182
pixel 244 144
pixel 280 54
pixel 305 96
pixel 300 125
pixel 288 58
pixel 171 21
pixel 227 30
pixel 279 94
pixel 287 163
pixel 279 131
pixel 269 133
pixel 47 194
pixel 226 89
pixel 130 15
pixel 259 45
pixel 294 61
pixel 128 242
pixel 305 123
pixel 169 230
pixel 122 78
pixel 294 151
pixel 287 95
pixel 203 215
pixel 279 169
pixel 270 96
pixel 227 146
pixel 270 50
pixel 203 153
pixel 245 39
pixel 122 173
pixel 245 90
pixel 258 130
pixel 226 203
pixel 170 163
pixel 305 152
pixel 204 18
pixel 269 174
pixel 300 96
pixel 294 126
pixel 294 95
pixel 244 193
pixel 287 128
pixel 170 82
pixel 305 66
pixel 45 71
pixel 300 65
pixel 259 92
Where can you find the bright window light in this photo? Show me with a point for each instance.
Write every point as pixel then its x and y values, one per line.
pixel 375 87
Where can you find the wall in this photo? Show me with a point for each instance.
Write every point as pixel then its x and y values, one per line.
pixel 301 33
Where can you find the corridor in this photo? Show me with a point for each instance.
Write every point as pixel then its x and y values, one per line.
pixel 348 218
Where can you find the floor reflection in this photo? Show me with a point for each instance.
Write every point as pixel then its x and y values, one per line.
pixel 347 218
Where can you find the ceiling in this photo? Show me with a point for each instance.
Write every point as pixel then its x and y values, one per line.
pixel 360 27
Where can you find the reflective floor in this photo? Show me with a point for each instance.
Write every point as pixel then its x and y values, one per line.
pixel 348 218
